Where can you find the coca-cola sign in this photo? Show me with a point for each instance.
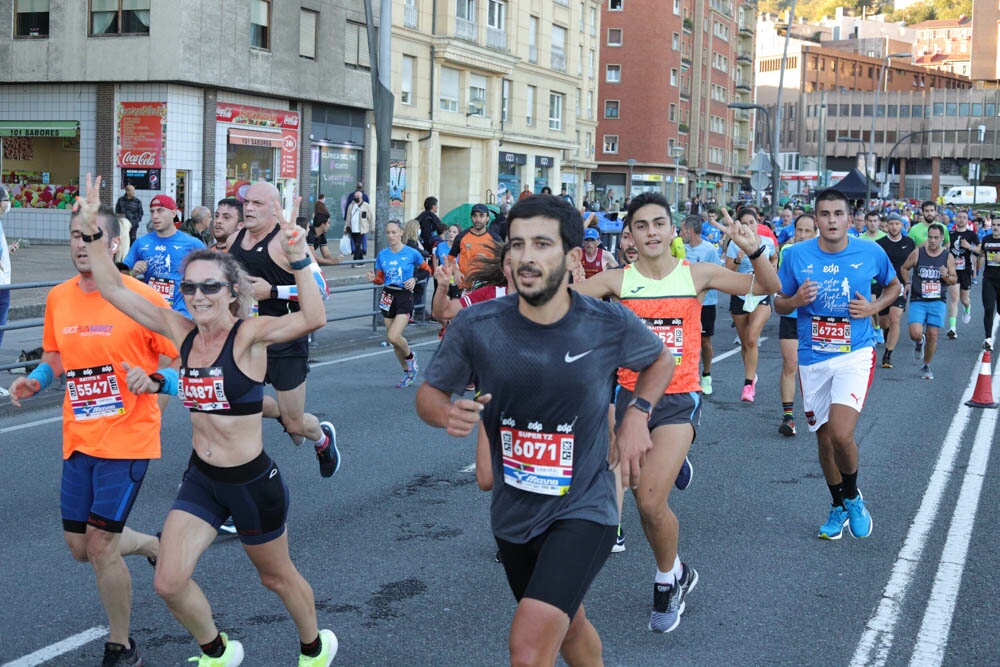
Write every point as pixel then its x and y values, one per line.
pixel 242 114
pixel 134 159
pixel 141 134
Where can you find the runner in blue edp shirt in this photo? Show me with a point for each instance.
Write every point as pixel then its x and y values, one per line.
pixel 828 281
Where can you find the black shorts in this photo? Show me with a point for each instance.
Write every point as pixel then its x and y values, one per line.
pixel 964 279
pixel 253 494
pixel 788 328
pixel 736 304
pixel 395 302
pixel 286 373
pixel 670 409
pixel 708 321
pixel 900 301
pixel 558 566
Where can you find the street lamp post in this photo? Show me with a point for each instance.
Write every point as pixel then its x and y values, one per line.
pixel 775 170
pixel 677 151
pixel 631 162
pixel 864 147
pixel 883 80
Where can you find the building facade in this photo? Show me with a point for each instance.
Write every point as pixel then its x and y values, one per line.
pixel 492 96
pixel 985 62
pixel 669 70
pixel 187 98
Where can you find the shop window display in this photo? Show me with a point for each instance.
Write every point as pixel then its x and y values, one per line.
pixel 41 171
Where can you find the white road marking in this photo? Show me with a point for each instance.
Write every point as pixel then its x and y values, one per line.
pixel 40 422
pixel 355 357
pixel 932 640
pixel 469 468
pixel 51 651
pixel 880 631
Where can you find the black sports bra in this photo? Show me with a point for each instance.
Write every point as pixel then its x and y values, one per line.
pixel 221 388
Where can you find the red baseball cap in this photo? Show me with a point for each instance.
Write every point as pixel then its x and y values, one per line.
pixel 164 201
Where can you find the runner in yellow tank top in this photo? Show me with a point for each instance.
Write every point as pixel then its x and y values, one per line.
pixel 667 293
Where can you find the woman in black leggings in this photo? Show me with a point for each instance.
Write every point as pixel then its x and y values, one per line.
pixel 990 249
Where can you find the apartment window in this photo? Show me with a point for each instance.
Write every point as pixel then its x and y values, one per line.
pixel 410 13
pixel 529 116
pixel 590 64
pixel 610 143
pixel 675 42
pixel 614 36
pixel 677 7
pixel 505 100
pixel 611 108
pixel 583 10
pixel 466 10
pixel 673 113
pixel 615 5
pixel 558 48
pixel 448 97
pixel 579 60
pixel 673 77
pixel 614 74
pixel 720 62
pixel 579 102
pixel 127 17
pixel 590 104
pixel 260 23
pixel 307 33
pixel 356 45
pixel 496 15
pixel 406 80
pixel 31 18
pixel 717 125
pixel 720 30
pixel 477 95
pixel 593 22
pixel 533 39
pixel 556 101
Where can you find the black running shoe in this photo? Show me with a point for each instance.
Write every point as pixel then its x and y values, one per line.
pixel 329 455
pixel 116 654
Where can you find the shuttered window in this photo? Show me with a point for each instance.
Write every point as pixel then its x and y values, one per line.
pixel 356 45
pixel 307 33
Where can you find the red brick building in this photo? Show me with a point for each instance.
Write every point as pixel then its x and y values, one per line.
pixel 669 68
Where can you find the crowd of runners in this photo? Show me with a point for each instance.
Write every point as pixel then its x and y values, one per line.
pixel 580 361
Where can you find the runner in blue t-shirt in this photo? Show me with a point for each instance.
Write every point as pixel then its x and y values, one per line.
pixel 697 249
pixel 398 267
pixel 157 258
pixel 828 281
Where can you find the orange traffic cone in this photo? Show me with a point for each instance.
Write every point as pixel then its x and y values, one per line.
pixel 982 397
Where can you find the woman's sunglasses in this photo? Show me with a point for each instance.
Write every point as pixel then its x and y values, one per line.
pixel 208 288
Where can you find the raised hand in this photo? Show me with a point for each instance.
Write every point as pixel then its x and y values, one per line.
pixel 293 236
pixel 87 205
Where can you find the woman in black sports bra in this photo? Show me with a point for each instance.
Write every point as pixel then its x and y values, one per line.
pixel 223 362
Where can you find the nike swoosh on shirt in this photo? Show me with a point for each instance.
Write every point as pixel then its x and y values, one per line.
pixel 570 358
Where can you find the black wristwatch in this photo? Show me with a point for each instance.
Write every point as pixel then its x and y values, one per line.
pixel 641 404
pixel 758 253
pixel 159 379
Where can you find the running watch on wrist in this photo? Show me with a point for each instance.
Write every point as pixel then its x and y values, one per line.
pixel 641 404
pixel 159 379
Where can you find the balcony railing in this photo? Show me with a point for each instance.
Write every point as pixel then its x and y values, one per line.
pixel 742 115
pixel 496 39
pixel 743 85
pixel 723 7
pixel 465 29
pixel 558 60
pixel 746 26
pixel 741 142
pixel 410 16
pixel 744 56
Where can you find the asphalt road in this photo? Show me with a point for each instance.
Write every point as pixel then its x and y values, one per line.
pixel 399 553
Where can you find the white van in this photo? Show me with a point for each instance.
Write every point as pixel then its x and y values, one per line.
pixel 968 194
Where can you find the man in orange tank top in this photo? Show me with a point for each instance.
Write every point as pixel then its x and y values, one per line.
pixel 667 294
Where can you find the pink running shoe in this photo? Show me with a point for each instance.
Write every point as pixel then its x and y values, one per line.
pixel 749 391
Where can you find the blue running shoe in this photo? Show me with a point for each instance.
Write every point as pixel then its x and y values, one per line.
pixel 685 475
pixel 834 526
pixel 688 580
pixel 859 520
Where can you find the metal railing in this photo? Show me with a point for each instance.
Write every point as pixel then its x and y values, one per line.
pixel 410 16
pixel 465 29
pixel 496 39
pixel 558 60
pixel 374 313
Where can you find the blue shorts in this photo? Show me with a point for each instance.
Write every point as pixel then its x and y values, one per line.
pixel 930 313
pixel 253 494
pixel 99 492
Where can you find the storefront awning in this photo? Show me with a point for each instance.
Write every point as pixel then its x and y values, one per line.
pixel 38 128
pixel 255 138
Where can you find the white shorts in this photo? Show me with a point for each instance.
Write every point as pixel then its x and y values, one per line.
pixel 843 379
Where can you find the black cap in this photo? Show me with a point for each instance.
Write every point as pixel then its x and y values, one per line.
pixel 480 208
